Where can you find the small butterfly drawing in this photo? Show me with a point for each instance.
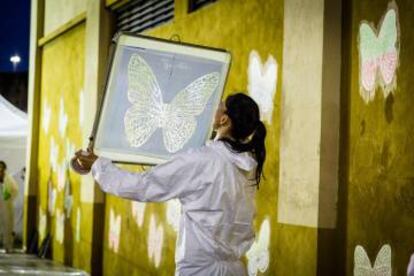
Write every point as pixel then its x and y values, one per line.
pixel 258 254
pixel 155 242
pixel 59 226
pixel 51 197
pixel 148 112
pixel 53 153
pixel 138 211
pixel 63 119
pixel 42 223
pixel 114 230
pixel 378 56
pixel 61 172
pixel 382 265
pixel 47 111
pixel 262 83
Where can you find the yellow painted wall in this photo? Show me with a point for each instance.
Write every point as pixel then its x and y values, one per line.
pixel 62 79
pixel 380 180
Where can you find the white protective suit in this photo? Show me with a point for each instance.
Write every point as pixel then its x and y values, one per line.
pixel 216 190
pixel 7 211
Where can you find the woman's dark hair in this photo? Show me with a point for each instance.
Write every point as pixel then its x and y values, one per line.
pixel 3 164
pixel 247 131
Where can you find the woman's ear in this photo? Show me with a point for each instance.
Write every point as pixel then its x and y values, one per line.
pixel 224 120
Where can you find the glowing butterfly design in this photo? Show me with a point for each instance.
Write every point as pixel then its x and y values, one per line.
pixel 155 242
pixel 174 213
pixel 262 83
pixel 114 231
pixel 382 265
pixel 149 112
pixel 68 200
pixel 81 107
pixel 258 254
pixel 70 151
pixel 42 223
pixel 59 226
pixel 46 117
pixel 63 119
pixel 61 172
pixel 378 56
pixel 53 154
pixel 138 211
pixel 52 197
pixel 78 224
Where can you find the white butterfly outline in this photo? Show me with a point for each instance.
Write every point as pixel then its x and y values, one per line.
pixel 258 254
pixel 382 264
pixel 262 83
pixel 138 212
pixel 59 226
pixel 114 231
pixel 369 35
pixel 155 241
pixel 47 111
pixel 149 112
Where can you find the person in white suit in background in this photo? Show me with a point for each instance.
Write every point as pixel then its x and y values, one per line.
pixel 215 184
pixel 8 192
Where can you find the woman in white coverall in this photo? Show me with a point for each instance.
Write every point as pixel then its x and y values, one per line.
pixel 216 185
pixel 8 192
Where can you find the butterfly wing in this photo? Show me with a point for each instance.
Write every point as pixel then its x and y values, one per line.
pixel 388 37
pixel 141 119
pixel 382 265
pixel 362 264
pixel 369 51
pixel 181 113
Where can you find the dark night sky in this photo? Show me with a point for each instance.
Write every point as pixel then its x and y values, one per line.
pixel 14 33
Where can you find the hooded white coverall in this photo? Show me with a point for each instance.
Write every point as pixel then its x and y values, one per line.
pixel 7 211
pixel 216 189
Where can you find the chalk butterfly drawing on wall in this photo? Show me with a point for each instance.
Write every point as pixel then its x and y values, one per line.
pixel 379 55
pixel 47 111
pixel 53 154
pixel 138 212
pixel 114 230
pixel 262 82
pixel 59 226
pixel 155 241
pixel 149 111
pixel 68 198
pixel 258 254
pixel 42 223
pixel 51 196
pixel 382 264
pixel 62 174
pixel 174 213
pixel 160 99
pixel 63 119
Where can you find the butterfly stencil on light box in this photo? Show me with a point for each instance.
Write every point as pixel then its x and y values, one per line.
pixel 149 112
pixel 382 265
pixel 379 55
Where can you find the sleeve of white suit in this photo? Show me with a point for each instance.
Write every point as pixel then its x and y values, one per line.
pixel 177 178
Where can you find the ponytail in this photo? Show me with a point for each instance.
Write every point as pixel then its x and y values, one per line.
pixel 247 131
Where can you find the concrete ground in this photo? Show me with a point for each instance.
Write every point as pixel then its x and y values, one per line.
pixel 24 264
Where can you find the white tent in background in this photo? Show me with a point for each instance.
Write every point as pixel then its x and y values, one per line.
pixel 13 133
